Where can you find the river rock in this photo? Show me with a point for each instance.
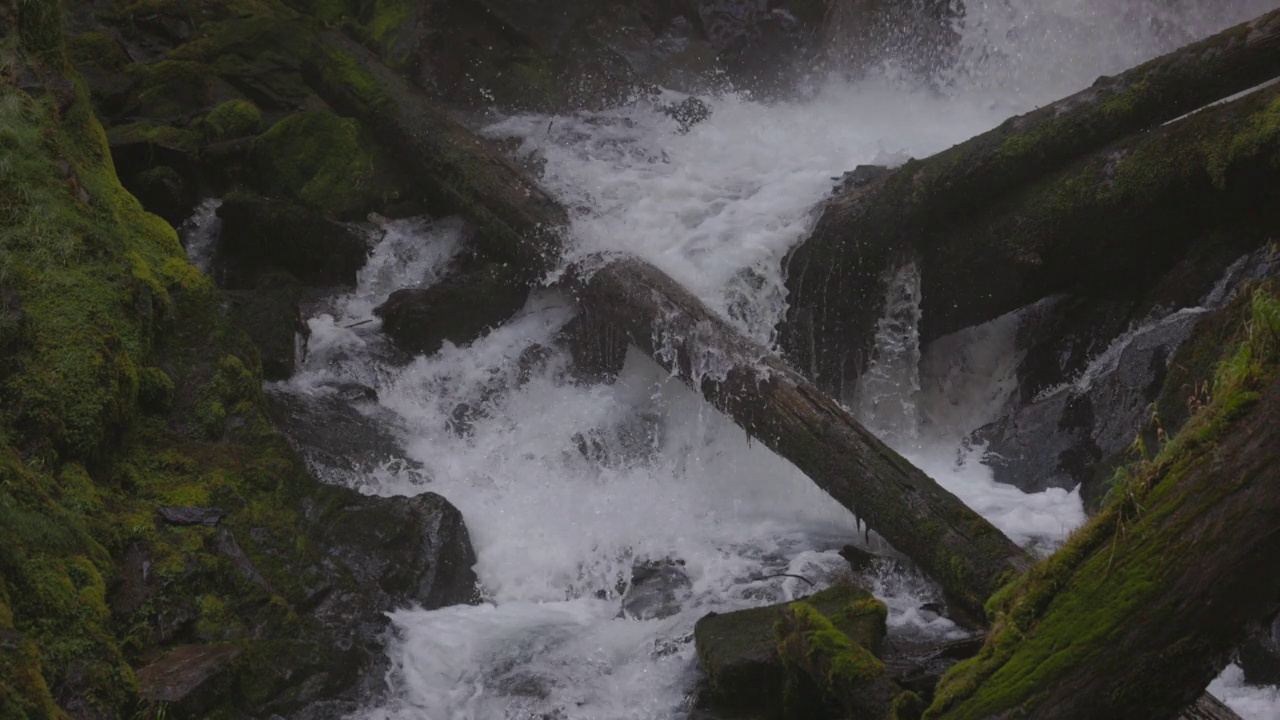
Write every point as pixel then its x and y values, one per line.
pixel 738 651
pixel 400 552
pixel 341 432
pixel 259 234
pixel 458 309
pixel 1058 440
pixel 271 316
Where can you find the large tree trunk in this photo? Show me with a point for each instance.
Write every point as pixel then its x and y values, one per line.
pixel 964 553
pixel 834 277
pixel 1138 612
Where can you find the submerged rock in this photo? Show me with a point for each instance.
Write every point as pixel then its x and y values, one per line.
pixel 657 590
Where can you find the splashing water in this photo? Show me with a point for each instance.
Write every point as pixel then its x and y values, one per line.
pixel 566 487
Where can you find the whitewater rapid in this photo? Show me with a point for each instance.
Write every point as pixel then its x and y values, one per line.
pixel 567 486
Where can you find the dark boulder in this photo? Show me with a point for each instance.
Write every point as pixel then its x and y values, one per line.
pixel 458 309
pixel 340 432
pixel 259 234
pixel 1057 441
pixel 163 191
pixel 394 552
pixel 1259 656
pixel 270 315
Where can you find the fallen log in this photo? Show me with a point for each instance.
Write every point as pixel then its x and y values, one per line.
pixel 964 553
pixel 515 219
pixel 834 277
pixel 1142 607
pixel 1209 707
pixel 960 550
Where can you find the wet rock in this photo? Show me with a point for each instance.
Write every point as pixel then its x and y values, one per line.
pixel 1058 440
pixel 458 309
pixel 183 674
pixel 598 350
pixel 687 112
pixel 1259 656
pixel 270 315
pixel 738 651
pixel 260 234
pixel 398 552
pixel 163 191
pixel 208 517
pixel 341 441
pixel 918 666
pixel 657 590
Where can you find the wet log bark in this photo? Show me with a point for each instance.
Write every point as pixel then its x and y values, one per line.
pixel 955 546
pixel 1142 607
pixel 1209 707
pixel 834 277
pixel 457 170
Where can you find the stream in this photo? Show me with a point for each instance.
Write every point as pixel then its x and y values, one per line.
pixel 569 487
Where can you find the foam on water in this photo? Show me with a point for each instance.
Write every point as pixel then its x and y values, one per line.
pixel 566 486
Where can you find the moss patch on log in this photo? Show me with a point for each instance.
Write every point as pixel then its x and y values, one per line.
pixel 1075 602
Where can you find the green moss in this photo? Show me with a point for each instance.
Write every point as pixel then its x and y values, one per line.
pixel 155 134
pixel 322 160
pixel 813 634
pixel 119 343
pixel 232 119
pixel 155 389
pixel 169 89
pixel 97 48
pixel 1076 601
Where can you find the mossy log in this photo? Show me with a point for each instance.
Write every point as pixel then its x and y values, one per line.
pixel 964 553
pixel 1142 607
pixel 516 220
pixel 834 277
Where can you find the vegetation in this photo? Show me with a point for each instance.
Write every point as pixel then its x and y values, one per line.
pixel 1074 602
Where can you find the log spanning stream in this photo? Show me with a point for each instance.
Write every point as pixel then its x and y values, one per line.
pixel 568 487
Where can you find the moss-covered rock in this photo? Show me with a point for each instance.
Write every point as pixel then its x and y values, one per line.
pixel 324 161
pixel 124 389
pixel 740 651
pixel 231 120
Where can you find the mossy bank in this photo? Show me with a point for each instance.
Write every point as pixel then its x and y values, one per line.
pixel 124 390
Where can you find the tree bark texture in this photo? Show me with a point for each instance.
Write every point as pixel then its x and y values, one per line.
pixel 955 546
pixel 834 276
pixel 1142 607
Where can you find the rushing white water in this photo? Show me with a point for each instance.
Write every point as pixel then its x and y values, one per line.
pixel 566 487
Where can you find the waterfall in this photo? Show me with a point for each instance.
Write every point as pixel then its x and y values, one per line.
pixel 567 487
pixel 885 396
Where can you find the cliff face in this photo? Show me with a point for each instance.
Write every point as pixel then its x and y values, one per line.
pixel 164 548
